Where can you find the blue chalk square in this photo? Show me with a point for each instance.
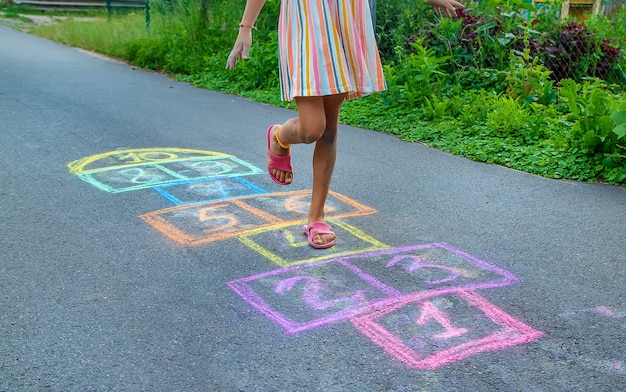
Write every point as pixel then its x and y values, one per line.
pixel 130 178
pixel 191 192
pixel 220 167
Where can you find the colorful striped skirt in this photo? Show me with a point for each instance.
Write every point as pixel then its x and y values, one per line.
pixel 327 47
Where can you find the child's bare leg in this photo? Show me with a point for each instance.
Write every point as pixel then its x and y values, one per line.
pixel 324 163
pixel 317 121
pixel 306 128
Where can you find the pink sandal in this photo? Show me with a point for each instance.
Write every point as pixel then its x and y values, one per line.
pixel 317 228
pixel 278 162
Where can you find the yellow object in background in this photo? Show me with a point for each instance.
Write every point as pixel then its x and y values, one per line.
pixel 577 9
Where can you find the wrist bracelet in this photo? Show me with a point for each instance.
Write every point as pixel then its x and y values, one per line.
pixel 249 27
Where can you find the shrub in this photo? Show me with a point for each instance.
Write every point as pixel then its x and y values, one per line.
pixel 599 128
pixel 146 53
pixel 575 52
pixel 417 76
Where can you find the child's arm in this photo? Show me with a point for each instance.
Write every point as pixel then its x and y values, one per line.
pixel 447 7
pixel 244 38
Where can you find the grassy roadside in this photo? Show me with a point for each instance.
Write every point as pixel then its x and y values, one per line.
pixel 536 141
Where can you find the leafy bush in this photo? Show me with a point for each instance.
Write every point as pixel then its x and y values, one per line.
pixel 416 77
pixel 147 53
pixel 574 51
pixel 485 33
pixel 395 21
pixel 599 128
pixel 482 85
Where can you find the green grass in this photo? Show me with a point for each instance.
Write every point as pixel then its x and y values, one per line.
pixel 96 33
pixel 482 125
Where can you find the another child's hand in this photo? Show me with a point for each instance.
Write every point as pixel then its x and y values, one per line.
pixel 446 7
pixel 241 49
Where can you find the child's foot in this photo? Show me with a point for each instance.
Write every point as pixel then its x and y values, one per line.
pixel 278 159
pixel 319 235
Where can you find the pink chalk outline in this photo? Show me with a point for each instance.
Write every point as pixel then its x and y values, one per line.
pixel 431 312
pixel 514 332
pixel 603 310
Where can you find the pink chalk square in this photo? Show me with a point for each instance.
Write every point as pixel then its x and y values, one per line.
pixel 425 331
pixel 307 296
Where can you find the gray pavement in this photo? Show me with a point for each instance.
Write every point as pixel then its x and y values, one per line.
pixel 164 259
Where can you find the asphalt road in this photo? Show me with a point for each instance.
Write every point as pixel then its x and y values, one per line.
pixel 162 258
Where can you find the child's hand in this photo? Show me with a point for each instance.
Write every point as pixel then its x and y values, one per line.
pixel 446 7
pixel 241 49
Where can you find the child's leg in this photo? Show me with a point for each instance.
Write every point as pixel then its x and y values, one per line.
pixel 324 163
pixel 306 128
pixel 318 120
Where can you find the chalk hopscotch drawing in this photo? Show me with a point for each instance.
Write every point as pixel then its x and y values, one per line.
pixel 478 326
pixel 374 290
pixel 435 266
pixel 347 288
pixel 600 310
pixel 382 284
pixel 418 303
pixel 214 221
pixel 288 246
pixel 203 191
pixel 134 169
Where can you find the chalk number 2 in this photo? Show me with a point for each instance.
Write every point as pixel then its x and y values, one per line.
pixel 312 293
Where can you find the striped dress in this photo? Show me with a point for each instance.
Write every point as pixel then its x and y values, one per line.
pixel 327 47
